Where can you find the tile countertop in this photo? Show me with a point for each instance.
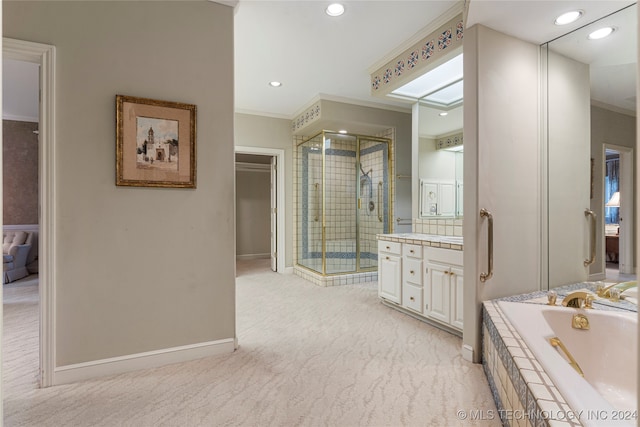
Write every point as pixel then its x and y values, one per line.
pixel 434 240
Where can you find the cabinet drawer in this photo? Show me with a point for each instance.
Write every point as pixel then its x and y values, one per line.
pixel 412 271
pixel 412 297
pixel 389 247
pixel 412 251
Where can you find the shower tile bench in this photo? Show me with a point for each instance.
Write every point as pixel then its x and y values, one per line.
pixel 421 275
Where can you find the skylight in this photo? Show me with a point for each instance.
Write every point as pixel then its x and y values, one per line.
pixel 447 78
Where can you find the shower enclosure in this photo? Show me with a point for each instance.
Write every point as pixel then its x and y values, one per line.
pixel 343 201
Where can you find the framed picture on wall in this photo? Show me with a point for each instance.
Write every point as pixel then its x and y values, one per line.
pixel 155 143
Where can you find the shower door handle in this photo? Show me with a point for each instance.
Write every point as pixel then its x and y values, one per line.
pixel 379 200
pixel 592 237
pixel 317 202
pixel 486 276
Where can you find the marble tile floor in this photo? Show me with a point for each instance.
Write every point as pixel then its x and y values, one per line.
pixel 308 356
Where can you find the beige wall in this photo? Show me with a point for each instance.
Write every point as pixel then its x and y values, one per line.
pixel 137 269
pixel 20 172
pixel 501 170
pixel 567 170
pixel 253 213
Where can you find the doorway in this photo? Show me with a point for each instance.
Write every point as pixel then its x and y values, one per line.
pixel 618 213
pixel 44 56
pixel 266 165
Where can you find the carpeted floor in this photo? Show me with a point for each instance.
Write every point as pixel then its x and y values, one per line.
pixel 308 356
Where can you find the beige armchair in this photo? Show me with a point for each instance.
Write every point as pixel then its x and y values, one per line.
pixel 16 246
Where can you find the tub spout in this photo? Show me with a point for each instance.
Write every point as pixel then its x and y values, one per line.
pixel 579 299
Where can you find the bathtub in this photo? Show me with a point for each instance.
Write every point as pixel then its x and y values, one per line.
pixel 606 353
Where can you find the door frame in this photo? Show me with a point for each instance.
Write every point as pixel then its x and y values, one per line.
pixel 280 196
pixel 45 56
pixel 626 255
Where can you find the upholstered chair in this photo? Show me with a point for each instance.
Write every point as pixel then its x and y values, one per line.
pixel 15 250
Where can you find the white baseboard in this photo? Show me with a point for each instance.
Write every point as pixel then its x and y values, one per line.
pixel 151 359
pixel 288 270
pixel 467 353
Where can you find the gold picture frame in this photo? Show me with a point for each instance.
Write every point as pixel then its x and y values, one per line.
pixel 160 157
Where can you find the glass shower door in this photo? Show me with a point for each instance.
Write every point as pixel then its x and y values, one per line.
pixel 340 201
pixel 373 208
pixel 309 225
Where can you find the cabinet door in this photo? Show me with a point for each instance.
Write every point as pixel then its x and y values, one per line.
pixel 428 198
pixel 437 305
pixel 447 193
pixel 457 297
pixel 389 277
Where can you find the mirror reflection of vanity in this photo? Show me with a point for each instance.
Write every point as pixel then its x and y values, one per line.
pixel 440 145
pixel 440 159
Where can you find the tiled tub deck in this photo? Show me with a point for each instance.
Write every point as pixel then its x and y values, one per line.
pixel 523 392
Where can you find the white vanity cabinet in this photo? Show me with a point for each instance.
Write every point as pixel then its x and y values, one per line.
pixel 390 271
pixel 422 280
pixel 444 284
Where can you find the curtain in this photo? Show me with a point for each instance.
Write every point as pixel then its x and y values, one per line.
pixel 611 185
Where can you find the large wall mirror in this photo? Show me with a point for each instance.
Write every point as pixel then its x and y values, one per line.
pixel 590 132
pixel 440 148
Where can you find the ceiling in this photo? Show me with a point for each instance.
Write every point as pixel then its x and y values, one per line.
pixel 314 55
pixel 613 61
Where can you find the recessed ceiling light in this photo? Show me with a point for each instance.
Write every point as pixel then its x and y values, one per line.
pixel 335 9
pixel 444 113
pixel 342 131
pixel 275 84
pixel 568 18
pixel 601 33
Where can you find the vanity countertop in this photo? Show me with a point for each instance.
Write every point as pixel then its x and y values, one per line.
pixel 434 240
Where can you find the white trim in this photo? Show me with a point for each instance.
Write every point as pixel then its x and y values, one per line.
pixel 399 106
pixel 45 55
pixel 279 153
pixel 467 352
pixel 613 108
pixel 132 362
pixel 16 118
pixel 25 227
pixel 263 113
